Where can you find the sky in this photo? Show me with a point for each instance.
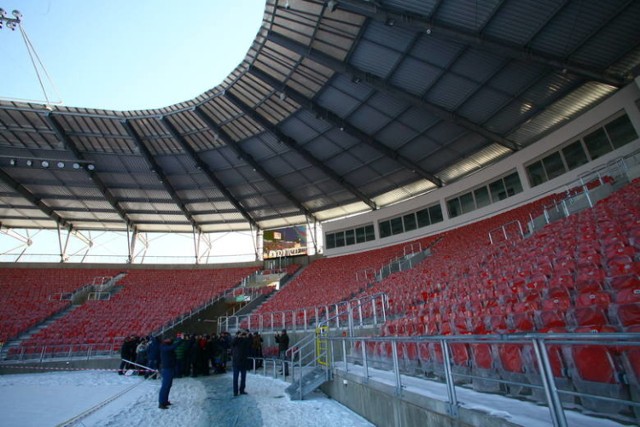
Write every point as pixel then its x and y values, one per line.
pixel 123 54
pixel 110 400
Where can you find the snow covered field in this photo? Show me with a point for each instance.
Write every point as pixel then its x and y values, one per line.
pixel 52 399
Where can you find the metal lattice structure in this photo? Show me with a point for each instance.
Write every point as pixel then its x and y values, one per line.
pixel 339 107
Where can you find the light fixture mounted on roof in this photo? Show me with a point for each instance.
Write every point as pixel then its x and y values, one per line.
pixel 45 163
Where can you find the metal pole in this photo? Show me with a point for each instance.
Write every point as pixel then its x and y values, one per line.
pixel 396 367
pixel 550 390
pixel 451 388
pixel 365 361
pixel 344 355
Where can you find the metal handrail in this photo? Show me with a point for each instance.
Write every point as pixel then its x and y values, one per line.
pixel 539 342
pixel 312 316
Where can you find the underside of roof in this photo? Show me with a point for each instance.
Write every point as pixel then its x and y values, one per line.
pixel 339 107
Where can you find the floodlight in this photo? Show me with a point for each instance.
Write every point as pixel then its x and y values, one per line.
pixel 29 163
pixel 17 14
pixel 60 165
pixel 3 13
pixel 12 162
pixel 44 164
pixel 76 165
pixel 91 167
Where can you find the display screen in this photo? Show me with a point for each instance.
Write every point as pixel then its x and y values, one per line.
pixel 284 242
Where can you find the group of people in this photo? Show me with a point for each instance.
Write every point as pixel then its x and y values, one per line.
pixel 195 355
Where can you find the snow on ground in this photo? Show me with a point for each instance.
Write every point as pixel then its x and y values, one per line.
pixel 52 399
pixel 105 399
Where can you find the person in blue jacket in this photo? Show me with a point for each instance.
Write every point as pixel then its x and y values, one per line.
pixel 167 370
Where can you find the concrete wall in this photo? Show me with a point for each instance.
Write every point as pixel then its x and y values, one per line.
pixel 378 403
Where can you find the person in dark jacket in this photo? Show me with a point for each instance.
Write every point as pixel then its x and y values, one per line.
pixel 240 349
pixel 168 368
pixel 283 345
pixel 153 354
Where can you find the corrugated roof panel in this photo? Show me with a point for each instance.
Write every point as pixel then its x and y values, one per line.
pixel 323 148
pixel 342 211
pixel 472 16
pixel 573 25
pixel 419 148
pixel 337 101
pixel 420 7
pixel 451 91
pixel 415 76
pixel 405 192
pixel 391 105
pixel 477 65
pixel 483 105
pixel 418 119
pixel 611 41
pixel 517 22
pixel 482 158
pixel 395 134
pixel 369 120
pixel 561 111
pixel 375 59
pixel 398 40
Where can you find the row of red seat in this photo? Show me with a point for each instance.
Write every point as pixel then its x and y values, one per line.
pixel 28 296
pixel 579 274
pixel 147 300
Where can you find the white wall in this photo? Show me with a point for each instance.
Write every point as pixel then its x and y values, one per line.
pixel 625 98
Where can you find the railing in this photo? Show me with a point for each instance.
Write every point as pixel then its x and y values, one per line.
pixel 550 386
pixel 371 311
pixel 42 353
pixel 509 231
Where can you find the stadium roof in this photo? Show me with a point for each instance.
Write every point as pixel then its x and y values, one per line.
pixel 339 107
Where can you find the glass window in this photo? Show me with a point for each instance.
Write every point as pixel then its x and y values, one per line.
pixel 498 192
pixel 350 237
pixel 396 225
pixel 597 144
pixel 423 218
pixel 435 213
pixel 574 155
pixel 536 174
pixel 482 197
pixel 409 222
pixel 385 229
pixel 513 184
pixel 360 235
pixel 553 165
pixel 621 131
pixel 369 233
pixel 331 241
pixel 339 239
pixel 453 206
pixel 466 202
